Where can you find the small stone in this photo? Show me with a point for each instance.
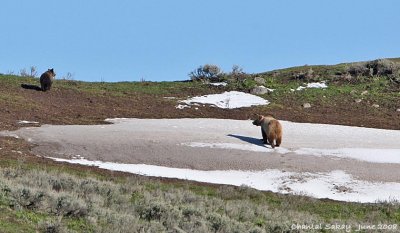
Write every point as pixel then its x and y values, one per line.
pixel 358 101
pixel 259 80
pixel 364 92
pixel 375 105
pixel 260 90
pixel 306 105
pixel 398 110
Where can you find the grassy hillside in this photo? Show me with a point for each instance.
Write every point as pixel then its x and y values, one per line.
pixel 40 195
pixel 370 97
pixel 357 98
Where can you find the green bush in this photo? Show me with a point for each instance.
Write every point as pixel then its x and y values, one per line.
pixel 69 206
pixel 26 198
pixel 51 226
pixel 206 73
pixel 380 67
pixel 359 69
pixel 383 67
pixel 152 211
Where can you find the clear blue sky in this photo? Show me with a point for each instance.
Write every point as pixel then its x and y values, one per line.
pixel 126 40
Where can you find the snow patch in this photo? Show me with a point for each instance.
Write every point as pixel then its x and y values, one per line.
pixel 27 122
pixel 237 146
pixel 219 84
pixel 229 100
pixel 362 154
pixel 312 85
pixel 266 88
pixel 78 157
pixel 317 85
pixel 181 106
pixel 336 185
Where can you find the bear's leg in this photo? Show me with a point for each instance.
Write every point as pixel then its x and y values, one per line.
pixel 278 141
pixel 264 135
pixel 271 140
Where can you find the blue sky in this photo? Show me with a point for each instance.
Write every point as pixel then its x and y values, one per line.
pixel 127 40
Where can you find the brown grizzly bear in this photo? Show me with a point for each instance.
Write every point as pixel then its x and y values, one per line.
pixel 46 79
pixel 271 129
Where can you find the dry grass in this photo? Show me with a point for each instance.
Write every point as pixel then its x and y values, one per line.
pixel 66 203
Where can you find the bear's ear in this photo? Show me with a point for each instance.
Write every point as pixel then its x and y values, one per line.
pixel 270 115
pixel 52 70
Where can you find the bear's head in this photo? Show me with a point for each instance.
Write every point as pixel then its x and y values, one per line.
pixel 259 120
pixel 51 71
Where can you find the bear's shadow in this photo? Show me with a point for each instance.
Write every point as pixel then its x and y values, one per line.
pixel 255 141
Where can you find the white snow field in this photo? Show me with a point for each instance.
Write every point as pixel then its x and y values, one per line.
pixel 321 85
pixel 230 100
pixel 323 161
pixel 335 185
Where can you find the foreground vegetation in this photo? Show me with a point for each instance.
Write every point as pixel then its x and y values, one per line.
pixel 54 198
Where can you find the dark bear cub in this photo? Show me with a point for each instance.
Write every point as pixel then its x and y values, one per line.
pixel 46 79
